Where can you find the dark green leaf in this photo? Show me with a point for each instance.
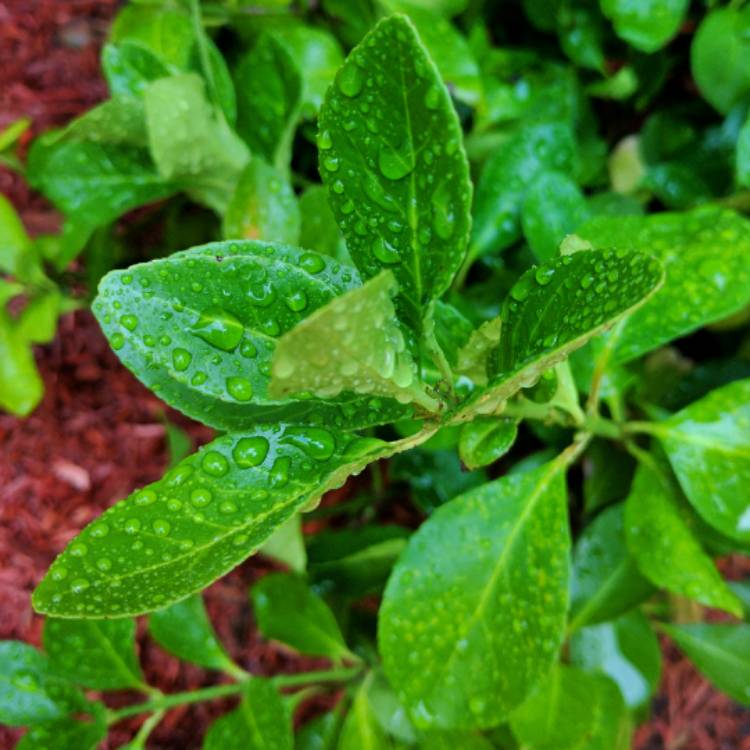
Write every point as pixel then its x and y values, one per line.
pixel 261 722
pixel 98 654
pixel 607 475
pixel 185 631
pixel 720 652
pixel 627 651
pixel 398 180
pixel 664 546
pixel 464 644
pixel 287 610
pixel 483 441
pixel 174 537
pixel 708 444
pixel 606 581
pixel 213 362
pixel 646 24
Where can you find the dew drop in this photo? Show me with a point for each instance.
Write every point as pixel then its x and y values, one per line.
pixel 316 442
pixel 145 497
pixel 59 573
pixel 384 251
pixel 250 451
pixel 239 388
pixel 395 163
pixel 117 340
pixel 296 301
pixel 219 328
pixel 350 79
pixel 312 263
pixel 279 474
pixel 181 359
pixel 161 527
pixel 543 275
pixel 201 497
pixel 132 526
pixel 248 350
pixel 79 585
pixel 215 464
pixel 129 321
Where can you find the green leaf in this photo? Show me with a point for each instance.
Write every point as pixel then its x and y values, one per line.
pixel 319 734
pixel 21 388
pixel 627 651
pixel 190 140
pixel 388 710
pixel 185 631
pixel 506 178
pixel 38 321
pixel 552 208
pixel 287 545
pixel 213 362
pixel 572 710
pixel 720 652
pixel 16 251
pixel 361 729
pixel 174 537
pixel 68 733
pixel 706 256
pixel 120 120
pixel 483 441
pixel 97 654
pixel 263 206
pixel 30 692
pixel 645 24
pixel 742 159
pixel 592 290
pixel 269 88
pixel 261 722
pixel 664 546
pixel 719 57
pixel 473 356
pixel 130 67
pixel 453 740
pixel 95 182
pixel 606 581
pixel 354 343
pixel 450 330
pixel 464 644
pixel 607 476
pixel 319 230
pixel 708 444
pixel 287 610
pixel 398 180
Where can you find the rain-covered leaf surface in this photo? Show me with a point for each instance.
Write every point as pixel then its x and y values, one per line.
pixel 464 644
pixel 174 537
pixel 200 328
pixel 396 173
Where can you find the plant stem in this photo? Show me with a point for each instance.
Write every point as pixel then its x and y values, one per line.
pixel 165 702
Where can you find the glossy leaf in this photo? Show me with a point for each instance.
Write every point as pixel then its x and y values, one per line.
pixel 627 651
pixel 646 24
pixel 361 729
pixel 464 644
pixel 398 181
pixel 506 178
pixel 354 343
pixel 97 654
pixel 665 548
pixel 130 67
pixel 177 535
pixel 287 610
pixel 212 361
pixel 552 208
pixel 606 581
pixel 269 88
pixel 708 444
pixel 721 652
pixel 593 290
pixel 483 441
pixel 262 207
pixel 572 710
pixel 261 722
pixel 706 256
pixel 185 631
pixel 191 142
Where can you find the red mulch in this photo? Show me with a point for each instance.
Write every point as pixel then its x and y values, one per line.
pixel 98 434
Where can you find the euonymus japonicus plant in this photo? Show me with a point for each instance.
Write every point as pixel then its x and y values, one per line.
pixel 494 629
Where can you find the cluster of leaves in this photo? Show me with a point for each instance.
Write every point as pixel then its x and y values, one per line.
pixel 540 322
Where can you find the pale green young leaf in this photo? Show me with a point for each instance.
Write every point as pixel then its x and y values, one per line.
pixel 389 712
pixel 721 652
pixel 269 89
pixel 448 329
pixel 473 356
pixel 354 343
pixel 463 645
pixel 190 140
pixel 605 581
pixel 263 206
pixel 21 387
pixel 361 730
pixel 664 546
pixel 647 25
pixel 573 710
pixel 507 176
pixel 120 120
pixel 261 722
pixel 288 610
pixel 483 441
pixel 708 444
pixel 555 309
pixel 175 536
pixel 706 257
pixel 130 67
pixel 627 651
pixel 318 228
pixel 212 361
pixel 38 321
pixel 17 256
pixel 97 654
pixel 185 631
pixel 287 545
pixel 398 181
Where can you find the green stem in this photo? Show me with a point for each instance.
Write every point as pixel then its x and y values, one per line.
pixel 164 702
pixel 147 727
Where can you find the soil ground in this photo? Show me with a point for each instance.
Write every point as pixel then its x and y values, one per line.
pixel 99 434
